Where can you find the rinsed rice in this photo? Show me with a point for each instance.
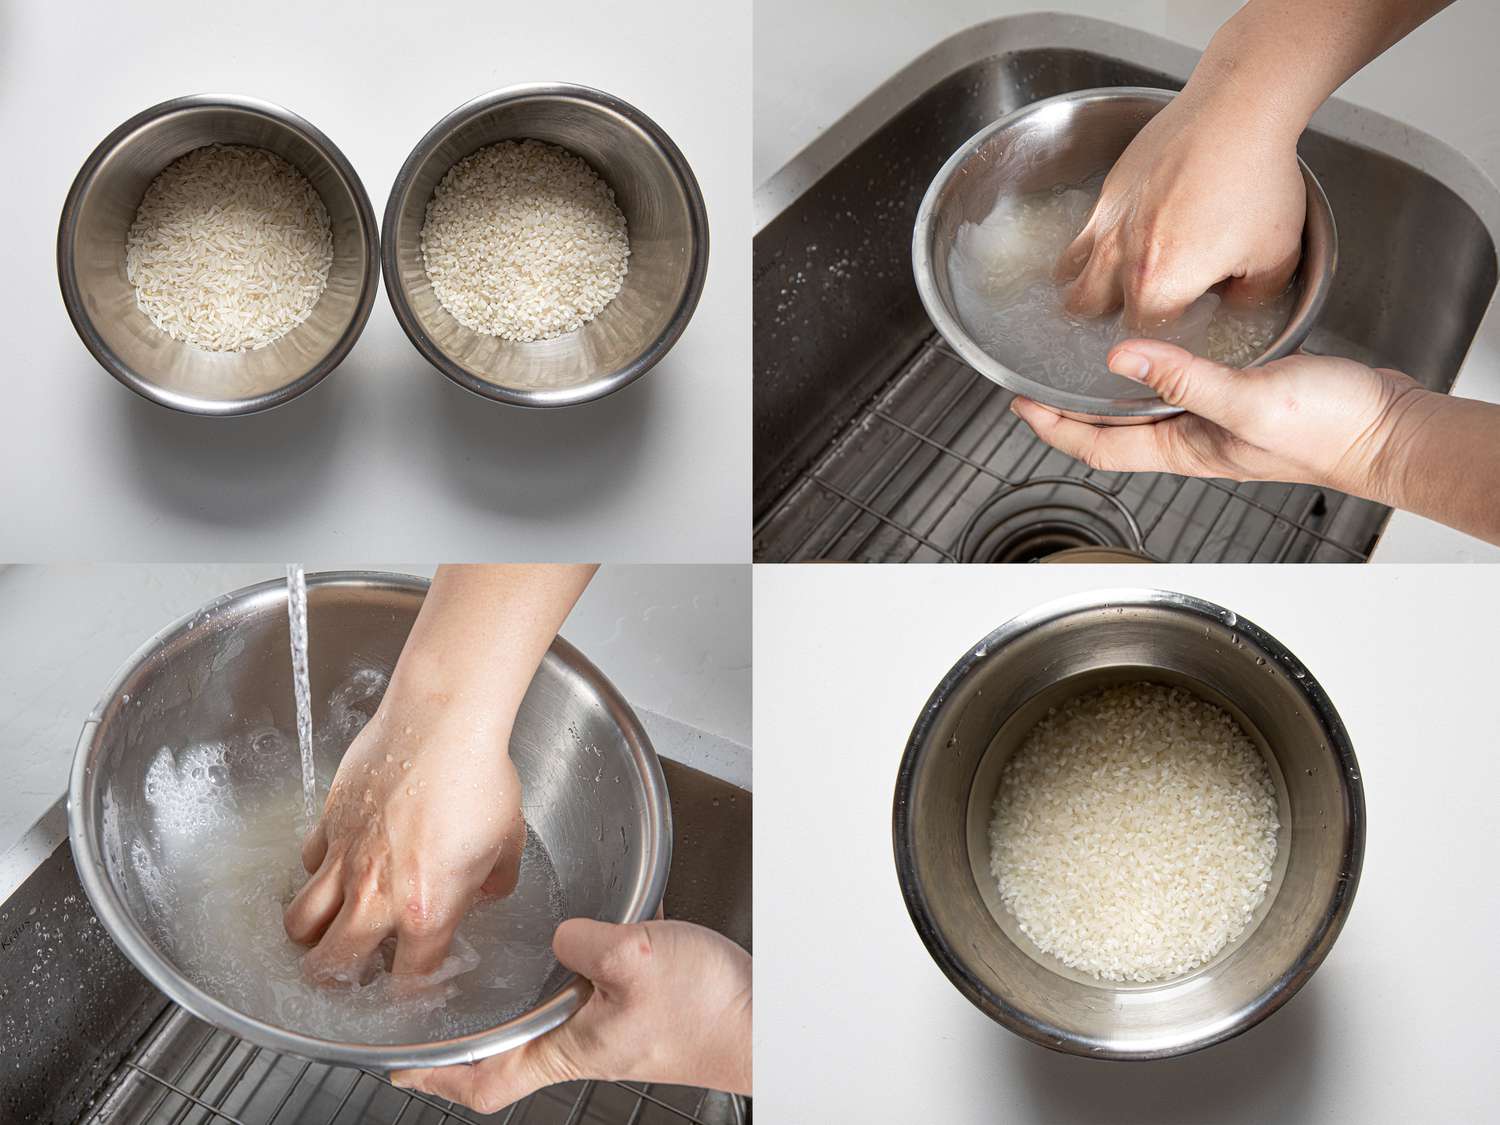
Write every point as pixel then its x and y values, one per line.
pixel 230 248
pixel 523 240
pixel 1134 832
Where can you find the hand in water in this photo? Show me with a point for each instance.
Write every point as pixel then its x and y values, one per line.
pixel 1203 194
pixel 671 1003
pixel 425 811
pixel 1308 419
pixel 424 815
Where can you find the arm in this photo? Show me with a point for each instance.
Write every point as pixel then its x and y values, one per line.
pixel 482 632
pixel 425 810
pixel 1440 458
pixel 1374 433
pixel 1210 189
pixel 671 1004
pixel 1289 56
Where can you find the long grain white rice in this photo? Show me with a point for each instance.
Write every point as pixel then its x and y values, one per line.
pixel 1134 832
pixel 230 248
pixel 523 240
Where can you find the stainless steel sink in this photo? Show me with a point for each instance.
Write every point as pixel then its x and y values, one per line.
pixel 874 442
pixel 85 1038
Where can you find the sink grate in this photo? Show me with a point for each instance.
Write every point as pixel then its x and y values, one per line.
pixel 185 1072
pixel 936 446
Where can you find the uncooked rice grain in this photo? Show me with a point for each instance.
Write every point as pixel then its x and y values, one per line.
pixel 1134 832
pixel 522 240
pixel 230 248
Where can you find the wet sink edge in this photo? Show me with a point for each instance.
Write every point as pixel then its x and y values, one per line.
pixel 1339 119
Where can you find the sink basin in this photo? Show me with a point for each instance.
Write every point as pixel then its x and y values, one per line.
pixel 875 442
pixel 84 1037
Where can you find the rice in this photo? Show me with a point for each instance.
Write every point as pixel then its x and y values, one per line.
pixel 230 248
pixel 522 240
pixel 1134 832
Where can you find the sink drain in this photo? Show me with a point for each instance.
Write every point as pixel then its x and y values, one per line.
pixel 1038 519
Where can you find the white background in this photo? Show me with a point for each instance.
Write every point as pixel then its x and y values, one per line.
pixel 385 457
pixel 815 62
pixel 674 639
pixel 855 1022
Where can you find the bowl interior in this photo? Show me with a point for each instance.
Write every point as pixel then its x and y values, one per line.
pixel 1067 140
pixel 984 720
pixel 175 372
pixel 664 252
pixel 227 675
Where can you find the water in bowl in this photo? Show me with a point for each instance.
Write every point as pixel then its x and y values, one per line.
pixel 223 860
pixel 1001 276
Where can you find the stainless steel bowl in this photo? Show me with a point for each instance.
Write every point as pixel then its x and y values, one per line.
pixel 980 713
pixel 664 214
pixel 101 206
pixel 226 669
pixel 1065 140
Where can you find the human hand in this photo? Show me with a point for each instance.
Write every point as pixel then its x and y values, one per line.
pixel 1306 419
pixel 1210 190
pixel 671 1003
pixel 424 814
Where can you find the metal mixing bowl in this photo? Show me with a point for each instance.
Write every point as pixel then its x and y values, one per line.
pixel 980 713
pixel 101 207
pixel 226 669
pixel 664 214
pixel 1065 140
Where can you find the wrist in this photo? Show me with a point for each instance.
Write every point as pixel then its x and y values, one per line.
pixel 1379 463
pixel 1254 97
pixel 728 1063
pixel 431 688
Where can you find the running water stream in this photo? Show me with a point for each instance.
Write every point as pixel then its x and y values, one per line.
pixel 296 602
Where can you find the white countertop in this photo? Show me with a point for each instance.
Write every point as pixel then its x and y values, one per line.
pixel 674 639
pixel 386 456
pixel 857 1023
pixel 815 62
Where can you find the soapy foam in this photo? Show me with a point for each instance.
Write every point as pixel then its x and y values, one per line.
pixel 1001 276
pixel 223 862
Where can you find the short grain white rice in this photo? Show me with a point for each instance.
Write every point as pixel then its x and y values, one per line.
pixel 523 240
pixel 1134 832
pixel 230 248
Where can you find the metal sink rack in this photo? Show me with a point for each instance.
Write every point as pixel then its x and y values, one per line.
pixel 185 1072
pixel 914 475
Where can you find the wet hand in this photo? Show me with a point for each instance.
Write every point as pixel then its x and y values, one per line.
pixel 1304 419
pixel 1203 194
pixel 423 816
pixel 671 1003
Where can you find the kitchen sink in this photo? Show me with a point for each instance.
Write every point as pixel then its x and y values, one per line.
pixel 85 1038
pixel 875 442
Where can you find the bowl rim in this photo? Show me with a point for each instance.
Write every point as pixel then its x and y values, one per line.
pixel 600 386
pixel 918 747
pixel 133 942
pixel 67 231
pixel 1319 214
